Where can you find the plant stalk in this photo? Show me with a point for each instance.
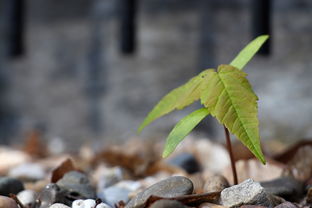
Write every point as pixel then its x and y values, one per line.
pixel 229 147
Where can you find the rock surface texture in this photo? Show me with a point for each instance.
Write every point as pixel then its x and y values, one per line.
pixel 247 192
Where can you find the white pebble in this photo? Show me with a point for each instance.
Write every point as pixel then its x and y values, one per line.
pixel 89 203
pixel 58 205
pixel 79 203
pixel 27 197
pixel 102 205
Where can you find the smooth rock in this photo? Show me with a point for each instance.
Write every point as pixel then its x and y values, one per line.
pixel 108 176
pixel 171 187
pixel 27 197
pixel 51 194
pixel 10 185
pixel 59 205
pixel 216 183
pixel 286 205
pixel 248 192
pixel 10 158
pixel 6 202
pixel 309 196
pixel 112 195
pixel 185 161
pixel 77 185
pixel 165 203
pixel 103 205
pixel 88 203
pixel 210 205
pixel 286 187
pixel 28 171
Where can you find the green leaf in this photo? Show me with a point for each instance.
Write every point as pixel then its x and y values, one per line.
pixel 228 96
pixel 182 129
pixel 248 52
pixel 177 98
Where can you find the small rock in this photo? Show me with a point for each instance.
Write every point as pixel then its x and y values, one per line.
pixel 103 205
pixel 165 203
pixel 112 195
pixel 78 203
pixel 252 206
pixel 77 184
pixel 108 176
pixel 6 202
pixel 11 158
pixel 286 205
pixel 171 187
pixel 27 197
pixel 245 193
pixel 286 187
pixel 309 196
pixel 88 203
pixel 185 161
pixel 210 205
pixel 28 171
pixel 216 183
pixel 51 194
pixel 10 185
pixel 58 205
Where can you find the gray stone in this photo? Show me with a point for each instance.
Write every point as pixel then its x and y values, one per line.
pixel 185 161
pixel 165 203
pixel 171 187
pixel 77 185
pixel 112 195
pixel 286 187
pixel 247 192
pixel 216 183
pixel 10 185
pixel 51 194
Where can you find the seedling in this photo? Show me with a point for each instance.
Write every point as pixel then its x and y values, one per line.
pixel 226 95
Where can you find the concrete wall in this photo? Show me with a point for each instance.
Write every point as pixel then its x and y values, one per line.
pixel 74 83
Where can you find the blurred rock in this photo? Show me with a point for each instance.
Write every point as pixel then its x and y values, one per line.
pixel 245 193
pixel 10 185
pixel 51 194
pixel 165 203
pixel 185 161
pixel 11 158
pixel 113 194
pixel 286 187
pixel 77 185
pixel 286 205
pixel 27 197
pixel 28 171
pixel 170 187
pixel 105 176
pixel 216 183
pixel 210 205
pixel 58 205
pixel 6 202
pixel 300 166
pixel 254 169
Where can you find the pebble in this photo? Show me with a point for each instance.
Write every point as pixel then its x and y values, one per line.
pixel 27 197
pixel 88 203
pixel 51 194
pixel 10 158
pixel 28 171
pixel 186 161
pixel 210 205
pixel 112 195
pixel 108 176
pixel 59 205
pixel 10 185
pixel 77 184
pixel 216 183
pixel 165 203
pixel 247 192
pixel 6 202
pixel 171 187
pixel 286 205
pixel 286 187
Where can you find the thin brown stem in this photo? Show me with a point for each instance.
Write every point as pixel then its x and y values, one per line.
pixel 229 147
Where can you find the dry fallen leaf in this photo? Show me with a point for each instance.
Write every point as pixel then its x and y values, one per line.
pixel 63 168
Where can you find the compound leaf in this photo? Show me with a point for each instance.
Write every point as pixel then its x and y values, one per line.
pixel 177 98
pixel 182 129
pixel 228 96
pixel 248 52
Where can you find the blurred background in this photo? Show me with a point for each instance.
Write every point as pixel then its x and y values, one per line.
pixel 90 70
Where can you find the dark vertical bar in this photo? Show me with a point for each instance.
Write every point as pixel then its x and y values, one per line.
pixel 16 27
pixel 128 26
pixel 261 22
